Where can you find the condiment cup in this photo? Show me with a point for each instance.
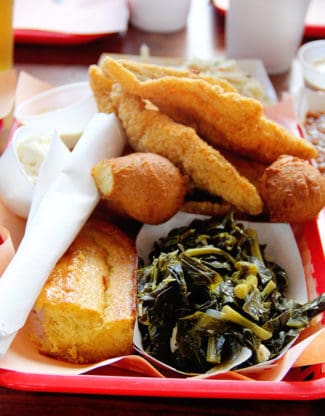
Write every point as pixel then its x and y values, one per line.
pixel 17 188
pixel 311 56
pixel 67 109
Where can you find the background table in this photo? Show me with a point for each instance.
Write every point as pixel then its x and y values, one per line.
pixel 203 38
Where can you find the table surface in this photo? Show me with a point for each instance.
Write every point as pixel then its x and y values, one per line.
pixel 59 64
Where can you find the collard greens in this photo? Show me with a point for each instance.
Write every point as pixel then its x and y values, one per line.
pixel 209 291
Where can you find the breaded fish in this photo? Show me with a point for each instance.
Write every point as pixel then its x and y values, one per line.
pixel 144 71
pixel 207 208
pixel 151 131
pixel 225 119
pixel 101 86
pixel 250 169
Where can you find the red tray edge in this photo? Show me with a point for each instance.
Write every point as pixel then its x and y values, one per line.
pixel 54 38
pixel 177 388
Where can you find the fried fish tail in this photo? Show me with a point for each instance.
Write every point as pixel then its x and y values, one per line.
pixel 274 140
pixel 150 131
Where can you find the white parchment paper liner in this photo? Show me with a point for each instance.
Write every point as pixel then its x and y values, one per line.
pixel 69 201
pixel 281 247
pixel 7 250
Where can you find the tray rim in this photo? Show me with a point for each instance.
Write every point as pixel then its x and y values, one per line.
pixel 48 37
pixel 165 387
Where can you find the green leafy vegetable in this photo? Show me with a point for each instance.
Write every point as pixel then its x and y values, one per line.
pixel 209 291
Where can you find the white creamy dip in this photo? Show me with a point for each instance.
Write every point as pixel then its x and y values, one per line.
pixel 319 64
pixel 31 152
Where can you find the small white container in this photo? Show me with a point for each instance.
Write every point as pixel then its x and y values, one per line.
pixel 66 109
pixel 312 59
pixel 17 187
pixel 159 16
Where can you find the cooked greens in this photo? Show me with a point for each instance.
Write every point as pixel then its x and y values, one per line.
pixel 209 291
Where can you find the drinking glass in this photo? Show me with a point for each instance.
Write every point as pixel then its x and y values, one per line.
pixel 6 34
pixel 270 30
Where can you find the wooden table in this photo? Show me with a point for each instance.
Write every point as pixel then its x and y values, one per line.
pixel 203 38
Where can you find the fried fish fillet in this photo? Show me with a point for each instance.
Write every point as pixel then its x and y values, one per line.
pixel 101 86
pixel 250 169
pixel 207 208
pixel 151 131
pixel 225 119
pixel 144 71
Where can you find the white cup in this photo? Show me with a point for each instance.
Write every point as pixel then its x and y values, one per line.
pixel 160 16
pixel 270 30
pixel 66 109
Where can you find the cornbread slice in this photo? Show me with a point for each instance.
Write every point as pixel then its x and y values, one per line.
pixel 87 309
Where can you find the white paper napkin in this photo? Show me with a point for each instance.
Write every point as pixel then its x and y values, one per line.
pixel 60 215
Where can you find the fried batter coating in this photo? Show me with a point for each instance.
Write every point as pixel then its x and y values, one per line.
pixel 101 87
pixel 101 84
pixel 250 169
pixel 225 119
pixel 293 190
pixel 145 71
pixel 152 131
pixel 207 208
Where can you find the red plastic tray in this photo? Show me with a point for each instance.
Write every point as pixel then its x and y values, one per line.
pixel 306 383
pixel 167 387
pixel 54 38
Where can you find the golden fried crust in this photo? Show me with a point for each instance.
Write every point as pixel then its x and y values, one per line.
pixel 101 87
pixel 177 91
pixel 207 208
pixel 145 186
pixel 151 131
pixel 87 309
pixel 145 71
pixel 224 119
pixel 293 190
pixel 250 169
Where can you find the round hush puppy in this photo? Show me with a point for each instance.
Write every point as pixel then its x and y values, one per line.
pixel 292 189
pixel 144 186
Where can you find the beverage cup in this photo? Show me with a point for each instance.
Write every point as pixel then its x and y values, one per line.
pixel 159 16
pixel 269 30
pixel 6 34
